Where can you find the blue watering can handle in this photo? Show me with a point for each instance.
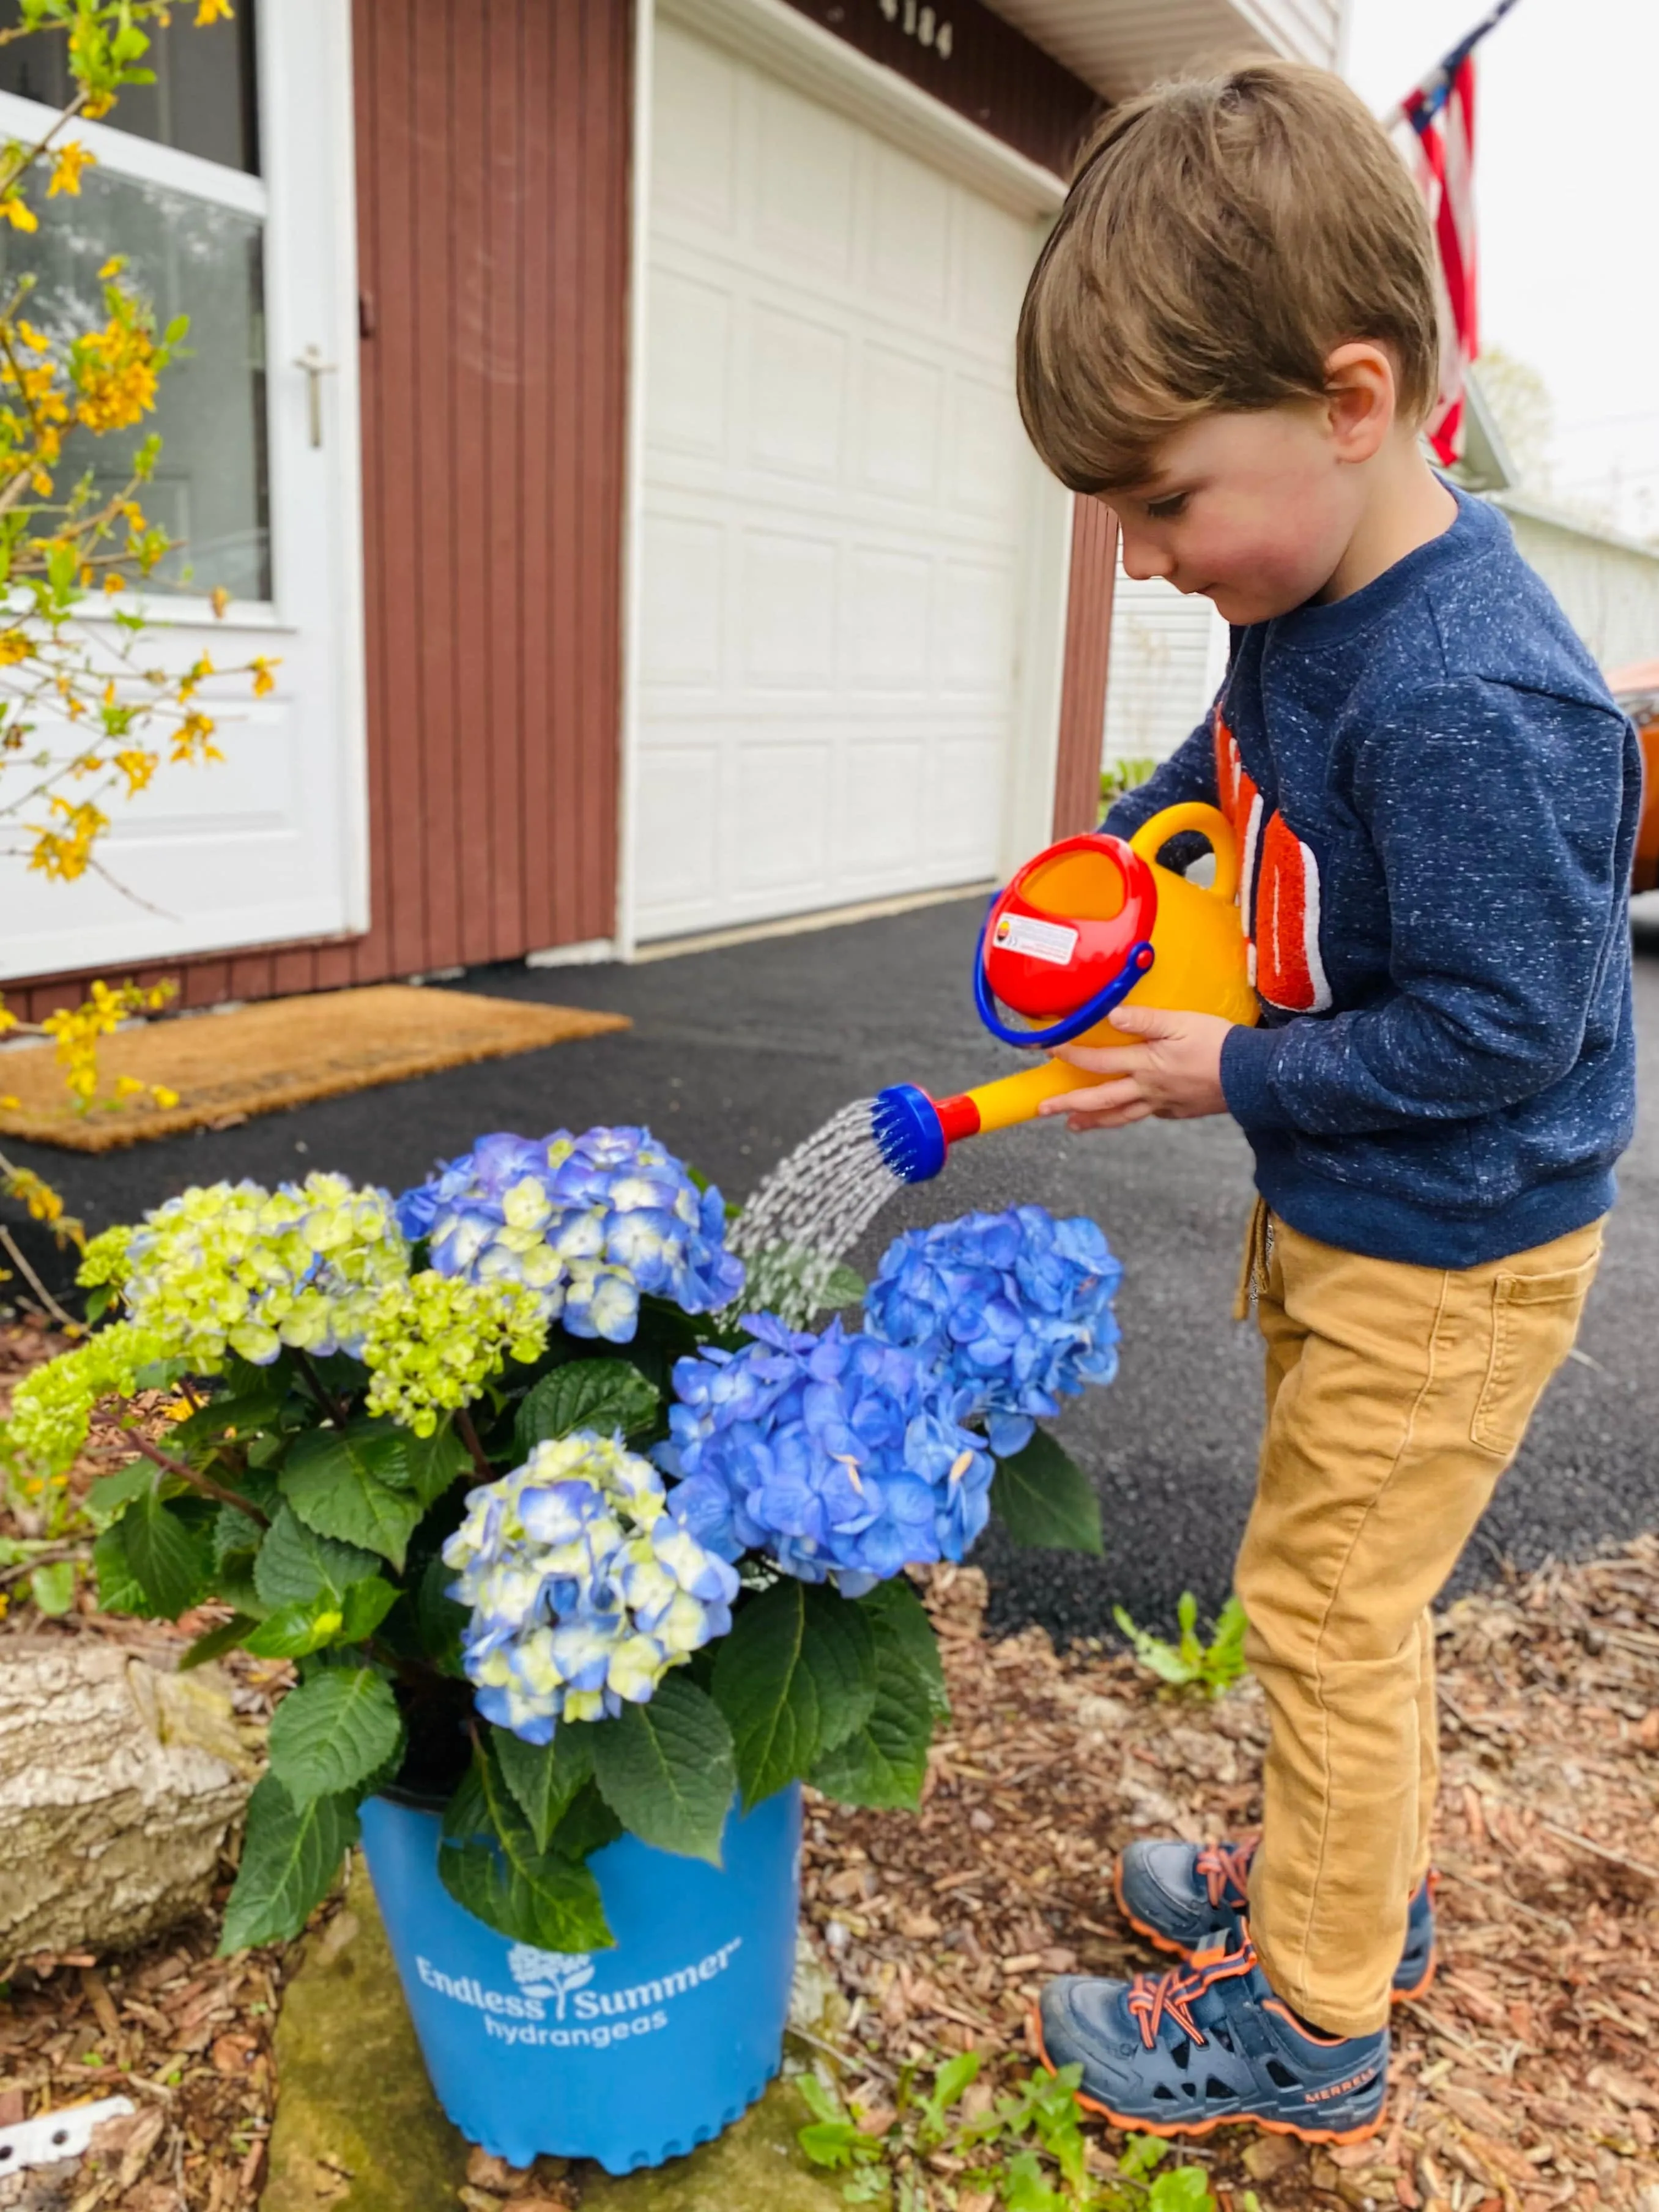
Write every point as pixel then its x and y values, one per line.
pixel 1137 960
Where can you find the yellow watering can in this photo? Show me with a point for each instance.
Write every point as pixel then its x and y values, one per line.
pixel 1089 924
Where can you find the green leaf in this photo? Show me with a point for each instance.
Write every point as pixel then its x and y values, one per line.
pixel 601 1395
pixel 331 1480
pixel 52 1587
pixel 119 1589
pixel 110 1496
pixel 489 1862
pixel 170 1560
pixel 587 1827
pixel 332 1733
pixel 883 1763
pixel 544 1779
pixel 304 1625
pixel 227 1635
pixel 258 1409
pixel 295 1563
pixel 364 1606
pixel 796 1675
pixel 667 1769
pixel 549 1901
pixel 1182 2189
pixel 291 1854
pixel 434 1463
pixel 900 1620
pixel 1044 1499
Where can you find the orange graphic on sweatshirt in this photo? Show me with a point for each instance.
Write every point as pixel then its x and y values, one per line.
pixel 1278 889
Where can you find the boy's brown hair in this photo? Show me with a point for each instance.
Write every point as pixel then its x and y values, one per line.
pixel 1222 236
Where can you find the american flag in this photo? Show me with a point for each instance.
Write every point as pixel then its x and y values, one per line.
pixel 1440 112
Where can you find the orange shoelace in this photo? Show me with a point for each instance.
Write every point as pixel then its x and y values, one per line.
pixel 1154 1997
pixel 1224 1863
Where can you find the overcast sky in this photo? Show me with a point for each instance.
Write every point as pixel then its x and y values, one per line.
pixel 1567 175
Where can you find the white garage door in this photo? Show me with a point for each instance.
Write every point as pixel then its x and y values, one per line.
pixel 836 499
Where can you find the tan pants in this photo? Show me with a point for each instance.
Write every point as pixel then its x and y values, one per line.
pixel 1396 1396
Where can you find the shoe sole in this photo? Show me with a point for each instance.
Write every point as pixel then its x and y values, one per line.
pixel 1145 2127
pixel 1160 1942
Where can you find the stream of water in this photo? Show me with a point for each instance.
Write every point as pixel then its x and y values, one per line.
pixel 809 1211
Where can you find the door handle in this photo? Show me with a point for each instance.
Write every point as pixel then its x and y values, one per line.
pixel 316 368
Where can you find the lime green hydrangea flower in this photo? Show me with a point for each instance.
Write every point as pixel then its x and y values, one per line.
pixel 105 1259
pixel 51 1408
pixel 431 1343
pixel 236 1267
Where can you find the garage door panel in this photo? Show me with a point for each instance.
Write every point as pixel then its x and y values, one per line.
pixel 681 597
pixel 900 421
pixel 690 376
pixel 796 402
pixel 783 816
pixel 882 808
pixel 806 182
pixel 835 491
pixel 787 617
pixel 966 800
pixel 679 811
pixel 909 239
pixel 694 136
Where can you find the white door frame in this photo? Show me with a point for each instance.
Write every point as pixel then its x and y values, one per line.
pixel 779 39
pixel 306 190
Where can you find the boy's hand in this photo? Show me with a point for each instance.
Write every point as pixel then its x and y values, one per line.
pixel 1176 1074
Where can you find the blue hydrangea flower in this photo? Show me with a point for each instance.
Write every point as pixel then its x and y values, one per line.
pixel 833 1453
pixel 1014 1309
pixel 589 1224
pixel 583 1590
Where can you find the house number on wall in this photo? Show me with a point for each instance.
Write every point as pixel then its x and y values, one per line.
pixel 921 23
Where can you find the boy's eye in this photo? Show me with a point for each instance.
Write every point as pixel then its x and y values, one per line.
pixel 1165 510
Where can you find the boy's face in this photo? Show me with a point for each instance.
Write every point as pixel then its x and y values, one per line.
pixel 1253 511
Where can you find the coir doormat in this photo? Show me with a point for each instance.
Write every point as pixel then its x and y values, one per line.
pixel 285 1051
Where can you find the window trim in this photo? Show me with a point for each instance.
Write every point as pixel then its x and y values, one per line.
pixel 123 154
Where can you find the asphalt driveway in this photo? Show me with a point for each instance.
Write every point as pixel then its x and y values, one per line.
pixel 736 1054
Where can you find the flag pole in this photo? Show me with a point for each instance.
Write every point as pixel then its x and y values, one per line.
pixel 1433 91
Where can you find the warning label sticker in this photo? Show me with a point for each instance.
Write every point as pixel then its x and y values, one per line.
pixel 1045 941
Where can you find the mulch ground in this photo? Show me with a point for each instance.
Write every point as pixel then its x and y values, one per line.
pixel 1528 2078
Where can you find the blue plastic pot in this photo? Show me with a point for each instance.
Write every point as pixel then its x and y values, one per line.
pixel 629 2056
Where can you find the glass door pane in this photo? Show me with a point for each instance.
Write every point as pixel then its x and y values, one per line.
pixel 204 100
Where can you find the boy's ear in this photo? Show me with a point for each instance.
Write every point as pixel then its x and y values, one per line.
pixel 1360 398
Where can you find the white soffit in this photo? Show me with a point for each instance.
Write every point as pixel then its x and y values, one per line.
pixel 1120 47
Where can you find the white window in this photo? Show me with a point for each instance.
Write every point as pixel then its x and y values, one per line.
pixel 227 188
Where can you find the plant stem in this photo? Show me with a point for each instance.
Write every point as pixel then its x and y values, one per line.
pixel 469 1436
pixel 204 1483
pixel 14 1253
pixel 334 1409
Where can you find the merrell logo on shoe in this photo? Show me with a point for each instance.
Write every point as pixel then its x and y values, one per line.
pixel 1341 2088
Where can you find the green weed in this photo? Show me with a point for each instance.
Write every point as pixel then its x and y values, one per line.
pixel 1022 2150
pixel 1190 1663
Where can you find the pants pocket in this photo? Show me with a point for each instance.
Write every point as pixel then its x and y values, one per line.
pixel 1534 1319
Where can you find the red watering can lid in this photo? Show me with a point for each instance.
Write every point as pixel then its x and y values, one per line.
pixel 1074 922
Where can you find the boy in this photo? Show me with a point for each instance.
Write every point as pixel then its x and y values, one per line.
pixel 1231 338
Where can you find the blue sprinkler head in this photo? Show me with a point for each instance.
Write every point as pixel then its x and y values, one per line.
pixel 906 1129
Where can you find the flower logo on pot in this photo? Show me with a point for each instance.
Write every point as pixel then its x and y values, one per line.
pixel 550 1975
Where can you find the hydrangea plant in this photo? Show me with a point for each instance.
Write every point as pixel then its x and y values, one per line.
pixel 549 1536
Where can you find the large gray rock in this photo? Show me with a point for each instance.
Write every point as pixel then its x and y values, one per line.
pixel 358 2129
pixel 120 1782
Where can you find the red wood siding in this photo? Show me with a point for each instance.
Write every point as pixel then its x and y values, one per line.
pixel 493 156
pixel 993 74
pixel 1088 641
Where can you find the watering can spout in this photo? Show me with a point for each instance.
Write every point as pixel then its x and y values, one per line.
pixel 914 1132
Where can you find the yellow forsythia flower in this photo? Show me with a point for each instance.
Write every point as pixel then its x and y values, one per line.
pixel 128 1086
pixel 113 581
pixel 13 646
pixel 163 1096
pixel 213 11
pixel 112 267
pixel 18 212
pixel 219 595
pixel 67 167
pixel 137 767
pixel 264 681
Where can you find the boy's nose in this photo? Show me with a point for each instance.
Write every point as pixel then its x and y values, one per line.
pixel 1143 561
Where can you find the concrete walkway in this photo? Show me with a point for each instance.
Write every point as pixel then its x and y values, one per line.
pixel 736 1054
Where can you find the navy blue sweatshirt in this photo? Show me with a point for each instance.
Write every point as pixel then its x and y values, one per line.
pixel 1436 800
